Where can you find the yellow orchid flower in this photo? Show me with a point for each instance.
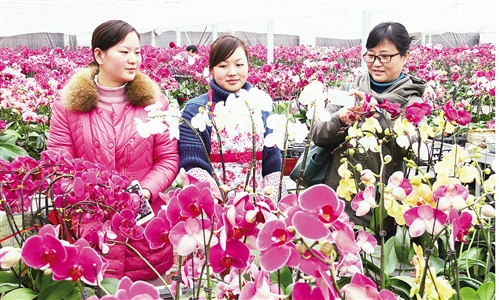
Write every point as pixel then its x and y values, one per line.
pixel 372 125
pixel 420 194
pixel 489 185
pixel 468 174
pixel 426 131
pixel 346 188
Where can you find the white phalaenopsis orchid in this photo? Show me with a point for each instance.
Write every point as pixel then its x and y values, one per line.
pixel 246 107
pixel 159 120
pixel 201 120
pixel 153 126
pixel 313 94
pixel 296 131
pixel 321 114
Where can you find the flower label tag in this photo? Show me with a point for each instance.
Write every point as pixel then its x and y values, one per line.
pixel 341 98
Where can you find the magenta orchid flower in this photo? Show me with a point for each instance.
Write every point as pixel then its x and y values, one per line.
pixel 277 249
pixel 392 108
pixel 417 111
pixel 82 263
pixel 235 255
pixel 311 265
pixel 98 236
pixel 459 116
pixel 187 235
pixel 303 291
pixel 368 104
pixel 44 250
pixel 125 223
pixel 320 207
pixel 127 289
pixel 257 289
pixel 452 195
pixel 362 287
pixel 228 288
pixel 157 231
pixel 460 225
pixel 424 218
pixel 193 199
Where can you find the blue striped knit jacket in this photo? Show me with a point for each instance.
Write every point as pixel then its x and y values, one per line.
pixel 191 151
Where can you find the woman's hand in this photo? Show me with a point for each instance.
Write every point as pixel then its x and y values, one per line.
pixel 348 115
pixel 146 193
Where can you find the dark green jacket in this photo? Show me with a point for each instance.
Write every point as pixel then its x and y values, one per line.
pixel 405 91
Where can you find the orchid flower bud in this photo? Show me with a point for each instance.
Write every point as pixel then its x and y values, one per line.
pixel 488 211
pixel 326 248
pixel 268 190
pixel 9 257
pixel 251 216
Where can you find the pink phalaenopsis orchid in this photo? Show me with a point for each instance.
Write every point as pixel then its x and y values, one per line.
pixel 399 186
pixel 415 112
pixel 320 207
pixel 125 223
pixel 193 199
pixel 44 250
pixel 189 234
pixel 127 289
pixel 392 108
pixel 364 201
pixel 303 291
pixel 366 241
pixel 452 195
pixel 235 255
pixel 320 211
pixel 277 249
pixel 82 263
pixel 459 116
pixel 157 231
pixel 424 218
pixel 460 225
pixel 362 287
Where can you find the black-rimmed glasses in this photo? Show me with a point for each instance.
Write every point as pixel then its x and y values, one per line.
pixel 382 58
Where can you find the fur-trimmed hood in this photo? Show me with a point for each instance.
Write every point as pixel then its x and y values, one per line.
pixel 80 93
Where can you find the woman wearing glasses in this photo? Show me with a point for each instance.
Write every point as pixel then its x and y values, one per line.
pixel 387 52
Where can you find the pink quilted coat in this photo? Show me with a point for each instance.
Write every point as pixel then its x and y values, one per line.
pixel 86 131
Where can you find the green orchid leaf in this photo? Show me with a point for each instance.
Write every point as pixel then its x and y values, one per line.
pixel 10 152
pixel 390 257
pixel 5 287
pixel 486 291
pixel 22 293
pixel 110 284
pixel 9 137
pixel 286 277
pixel 7 277
pixel 468 293
pixel 58 290
pixel 402 244
pixel 402 284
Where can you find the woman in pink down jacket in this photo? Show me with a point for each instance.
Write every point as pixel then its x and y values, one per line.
pixel 94 120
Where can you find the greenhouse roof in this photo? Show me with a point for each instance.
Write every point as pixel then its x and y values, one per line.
pixel 315 18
